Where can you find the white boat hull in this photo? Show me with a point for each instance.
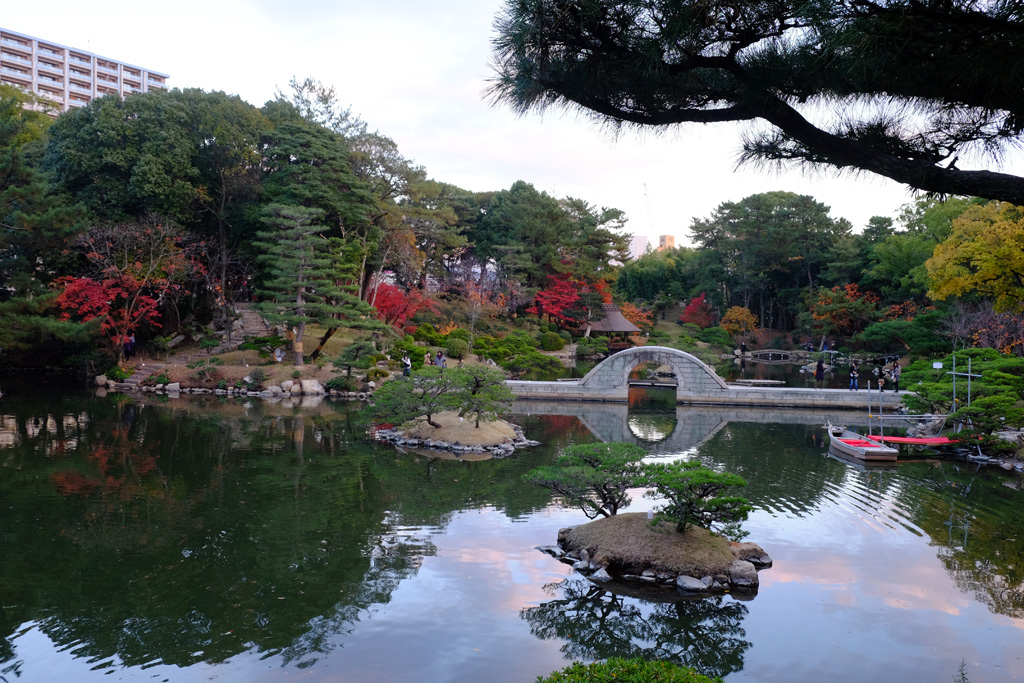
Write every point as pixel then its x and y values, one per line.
pixel 854 445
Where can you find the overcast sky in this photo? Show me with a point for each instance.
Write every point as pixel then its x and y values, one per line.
pixel 416 71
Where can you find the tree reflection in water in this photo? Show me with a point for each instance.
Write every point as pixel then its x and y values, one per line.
pixel 704 633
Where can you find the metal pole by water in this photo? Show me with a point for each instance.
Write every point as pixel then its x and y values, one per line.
pixel 869 408
pixel 968 381
pixel 954 381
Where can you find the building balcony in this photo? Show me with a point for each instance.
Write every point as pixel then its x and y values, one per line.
pixel 108 69
pixel 50 68
pixel 15 73
pixel 52 53
pixel 80 88
pixel 24 48
pixel 7 57
pixel 52 96
pixel 158 84
pixel 48 79
pixel 78 103
pixel 81 60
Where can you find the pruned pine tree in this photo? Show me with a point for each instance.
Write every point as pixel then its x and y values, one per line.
pixel 308 279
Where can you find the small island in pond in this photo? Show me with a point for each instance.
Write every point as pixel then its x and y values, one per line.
pixel 669 545
pixel 631 547
pixel 458 435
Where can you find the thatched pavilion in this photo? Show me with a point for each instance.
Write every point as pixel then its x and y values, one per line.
pixel 614 324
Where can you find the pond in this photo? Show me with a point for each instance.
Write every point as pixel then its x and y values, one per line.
pixel 203 539
pixel 790 373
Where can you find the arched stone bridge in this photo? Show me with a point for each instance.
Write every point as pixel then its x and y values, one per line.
pixel 697 384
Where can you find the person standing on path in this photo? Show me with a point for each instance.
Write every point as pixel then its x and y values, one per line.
pixel 853 377
pixel 895 374
pixel 406 366
pixel 440 360
pixel 819 374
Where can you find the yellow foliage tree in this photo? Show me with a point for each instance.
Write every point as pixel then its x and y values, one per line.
pixel 739 321
pixel 984 254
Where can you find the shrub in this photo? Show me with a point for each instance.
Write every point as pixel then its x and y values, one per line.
pixel 566 336
pixel 118 374
pixel 660 336
pixel 457 348
pixel 624 670
pixel 550 341
pixel 160 344
pixel 715 336
pixel 162 378
pixel 459 333
pixel 426 333
pixel 340 384
pixel 256 379
pixel 590 346
pixel 206 374
pixel 373 374
pixel 515 352
pixel 690 330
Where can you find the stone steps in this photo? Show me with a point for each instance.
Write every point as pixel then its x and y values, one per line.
pixel 248 323
pixel 141 373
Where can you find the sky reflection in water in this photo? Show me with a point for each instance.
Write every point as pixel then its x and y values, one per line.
pixel 350 562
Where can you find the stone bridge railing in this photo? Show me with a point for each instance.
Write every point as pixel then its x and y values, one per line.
pixel 697 384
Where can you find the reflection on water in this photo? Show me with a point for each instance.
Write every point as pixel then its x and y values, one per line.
pixel 594 623
pixel 735 369
pixel 160 538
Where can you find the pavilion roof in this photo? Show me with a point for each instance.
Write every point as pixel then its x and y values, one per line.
pixel 613 321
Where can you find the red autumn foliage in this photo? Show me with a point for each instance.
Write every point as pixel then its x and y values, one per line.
pixel 395 307
pixel 698 312
pixel 843 310
pixel 562 299
pixel 118 299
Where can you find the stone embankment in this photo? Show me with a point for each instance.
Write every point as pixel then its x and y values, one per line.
pixel 287 389
pixel 739 576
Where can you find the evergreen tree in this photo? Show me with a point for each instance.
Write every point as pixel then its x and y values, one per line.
pixel 309 277
pixel 35 229
pixel 901 88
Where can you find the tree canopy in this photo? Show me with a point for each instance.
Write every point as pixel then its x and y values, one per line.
pixel 902 88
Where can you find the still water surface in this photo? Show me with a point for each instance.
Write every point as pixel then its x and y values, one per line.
pixel 202 539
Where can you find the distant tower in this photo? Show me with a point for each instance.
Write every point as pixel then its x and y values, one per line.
pixel 666 242
pixel 638 246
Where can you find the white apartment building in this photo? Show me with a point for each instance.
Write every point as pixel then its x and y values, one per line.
pixel 67 76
